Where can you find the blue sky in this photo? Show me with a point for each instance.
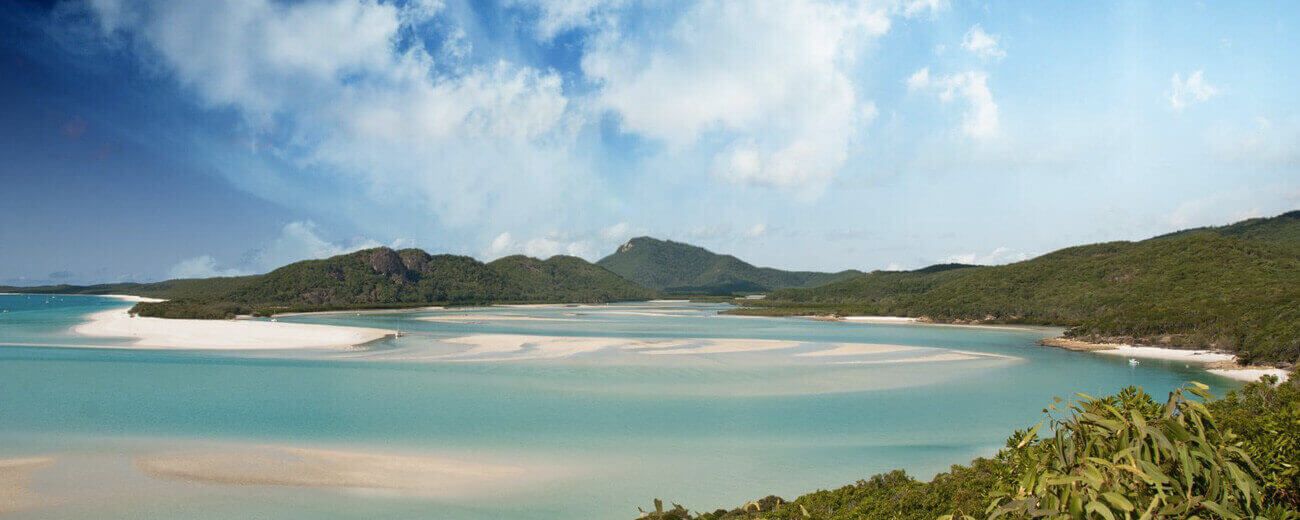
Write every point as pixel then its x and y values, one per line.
pixel 149 139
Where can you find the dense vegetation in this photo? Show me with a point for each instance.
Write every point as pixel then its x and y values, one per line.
pixel 1125 456
pixel 675 267
pixel 382 277
pixel 178 288
pixel 1234 287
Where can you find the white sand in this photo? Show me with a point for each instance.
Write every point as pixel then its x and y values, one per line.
pixel 136 299
pixel 520 346
pixel 1250 375
pixel 162 333
pixel 471 318
pixel 857 349
pixel 953 356
pixel 728 346
pixel 290 466
pixel 1170 354
pixel 16 480
pixel 879 319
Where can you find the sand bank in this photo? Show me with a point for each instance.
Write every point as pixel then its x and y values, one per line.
pixel 303 467
pixel 727 346
pixel 488 347
pixel 163 333
pixel 857 349
pixel 15 483
pixel 472 318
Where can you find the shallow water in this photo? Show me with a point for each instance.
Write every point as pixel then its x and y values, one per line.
pixel 618 425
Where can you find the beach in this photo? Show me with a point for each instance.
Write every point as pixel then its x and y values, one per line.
pixel 1218 363
pixel 238 334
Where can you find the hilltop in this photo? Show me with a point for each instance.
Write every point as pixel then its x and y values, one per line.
pixel 1234 287
pixel 675 267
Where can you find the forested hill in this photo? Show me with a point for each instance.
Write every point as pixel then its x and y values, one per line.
pixel 381 277
pixel 683 268
pixel 1233 287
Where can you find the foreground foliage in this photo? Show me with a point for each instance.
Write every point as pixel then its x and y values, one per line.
pixel 1120 457
pixel 1235 288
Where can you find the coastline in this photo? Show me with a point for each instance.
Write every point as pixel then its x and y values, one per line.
pixel 1222 364
pixel 902 320
pixel 238 334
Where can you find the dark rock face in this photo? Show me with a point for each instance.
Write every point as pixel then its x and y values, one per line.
pixel 414 259
pixel 385 261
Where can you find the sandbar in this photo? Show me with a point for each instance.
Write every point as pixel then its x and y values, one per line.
pixel 307 467
pixel 15 483
pixel 240 334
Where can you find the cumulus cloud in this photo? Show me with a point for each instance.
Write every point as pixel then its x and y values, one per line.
pixel 772 81
pixel 338 89
pixel 297 241
pixel 1000 255
pixel 983 44
pixel 204 266
pixel 1184 93
pixel 980 120
pixel 542 247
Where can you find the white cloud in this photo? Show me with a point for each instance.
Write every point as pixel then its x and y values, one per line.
pixel 1193 90
pixel 1000 255
pixel 773 82
pixel 982 44
pixel 980 120
pixel 542 247
pixel 201 267
pixel 336 89
pixel 757 230
pixel 617 231
pixel 297 241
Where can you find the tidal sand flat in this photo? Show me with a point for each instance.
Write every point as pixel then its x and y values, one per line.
pixel 240 334
pixel 308 467
pixel 15 483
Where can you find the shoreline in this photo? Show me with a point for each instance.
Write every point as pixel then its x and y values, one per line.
pixel 1222 364
pixel 239 334
pixel 903 320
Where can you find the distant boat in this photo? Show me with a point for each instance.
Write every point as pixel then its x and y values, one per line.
pixel 1132 362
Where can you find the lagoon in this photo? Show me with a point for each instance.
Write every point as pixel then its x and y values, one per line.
pixel 598 410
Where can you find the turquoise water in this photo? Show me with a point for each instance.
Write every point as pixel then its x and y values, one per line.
pixel 620 426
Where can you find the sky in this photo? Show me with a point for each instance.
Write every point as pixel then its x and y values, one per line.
pixel 150 139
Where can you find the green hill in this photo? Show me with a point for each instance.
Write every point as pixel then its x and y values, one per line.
pixel 1234 287
pixel 378 278
pixel 675 267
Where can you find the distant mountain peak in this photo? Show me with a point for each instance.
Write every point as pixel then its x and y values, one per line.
pixel 685 268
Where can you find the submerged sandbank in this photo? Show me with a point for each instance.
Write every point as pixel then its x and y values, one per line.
pixel 240 334
pixel 16 492
pixel 515 347
pixel 310 467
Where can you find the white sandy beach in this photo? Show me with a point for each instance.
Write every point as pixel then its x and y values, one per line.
pixel 16 492
pixel 160 333
pixel 1217 363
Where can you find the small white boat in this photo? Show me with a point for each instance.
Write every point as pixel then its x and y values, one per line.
pixel 1132 362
